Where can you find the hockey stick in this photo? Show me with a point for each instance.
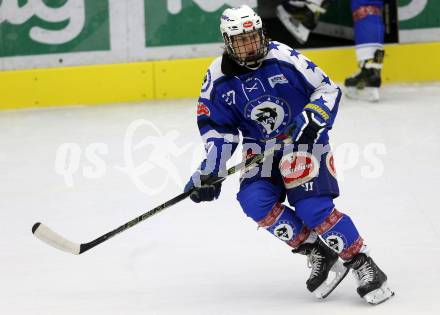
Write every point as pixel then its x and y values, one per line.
pixel 50 237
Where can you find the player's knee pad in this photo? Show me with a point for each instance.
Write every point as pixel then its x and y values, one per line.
pixel 257 199
pixel 340 233
pixel 314 210
pixel 282 222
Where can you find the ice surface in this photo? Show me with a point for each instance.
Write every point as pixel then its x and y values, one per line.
pixel 206 258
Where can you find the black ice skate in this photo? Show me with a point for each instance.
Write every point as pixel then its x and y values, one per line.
pixel 372 281
pixel 327 270
pixel 301 16
pixel 365 84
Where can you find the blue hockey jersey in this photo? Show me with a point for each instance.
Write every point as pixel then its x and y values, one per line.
pixel 261 103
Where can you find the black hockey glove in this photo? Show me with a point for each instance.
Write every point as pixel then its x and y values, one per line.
pixel 205 188
pixel 308 125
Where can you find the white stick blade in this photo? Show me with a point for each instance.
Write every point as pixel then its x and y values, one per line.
pixel 53 239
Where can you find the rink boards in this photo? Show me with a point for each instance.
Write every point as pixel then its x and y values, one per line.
pixel 181 78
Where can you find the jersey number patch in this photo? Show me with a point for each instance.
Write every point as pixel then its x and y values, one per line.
pixel 229 97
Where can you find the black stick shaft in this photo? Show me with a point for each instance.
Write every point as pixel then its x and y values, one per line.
pixel 86 246
pixel 259 158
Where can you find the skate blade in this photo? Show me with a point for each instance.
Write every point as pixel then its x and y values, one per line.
pixel 336 275
pixel 369 94
pixel 380 295
pixel 299 31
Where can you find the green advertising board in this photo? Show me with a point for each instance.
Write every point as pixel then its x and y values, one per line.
pixel 108 31
pixel 36 27
pixel 185 22
pixel 196 22
pixel 419 20
pixel 419 14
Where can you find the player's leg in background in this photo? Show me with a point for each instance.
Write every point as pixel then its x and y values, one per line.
pixel 369 38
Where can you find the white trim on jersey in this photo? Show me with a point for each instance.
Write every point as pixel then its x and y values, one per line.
pixel 315 76
pixel 215 72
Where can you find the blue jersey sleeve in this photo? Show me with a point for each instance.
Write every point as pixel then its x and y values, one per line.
pixel 324 94
pixel 218 127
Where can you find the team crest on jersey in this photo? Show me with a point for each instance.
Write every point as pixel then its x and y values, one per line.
pixel 270 113
pixel 336 241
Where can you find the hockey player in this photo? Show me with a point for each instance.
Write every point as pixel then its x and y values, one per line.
pixel 274 95
pixel 302 16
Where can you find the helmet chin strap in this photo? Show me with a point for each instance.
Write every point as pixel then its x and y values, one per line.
pixel 254 65
pixel 257 65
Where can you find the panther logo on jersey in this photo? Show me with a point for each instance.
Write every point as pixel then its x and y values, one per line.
pixel 271 114
pixel 267 116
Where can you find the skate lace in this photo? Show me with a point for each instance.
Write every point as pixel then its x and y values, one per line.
pixel 314 261
pixel 365 274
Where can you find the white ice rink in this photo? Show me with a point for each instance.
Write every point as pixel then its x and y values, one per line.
pixel 206 259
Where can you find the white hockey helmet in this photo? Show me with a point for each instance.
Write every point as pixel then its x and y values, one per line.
pixel 243 20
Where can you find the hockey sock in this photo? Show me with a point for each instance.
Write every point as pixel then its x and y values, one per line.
pixel 282 222
pixel 368 29
pixel 340 233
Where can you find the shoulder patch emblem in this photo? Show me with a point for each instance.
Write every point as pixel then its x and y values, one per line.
pixel 203 110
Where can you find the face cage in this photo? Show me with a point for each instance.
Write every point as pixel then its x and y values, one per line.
pixel 246 60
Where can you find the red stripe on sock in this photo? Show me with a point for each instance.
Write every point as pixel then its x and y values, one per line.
pixel 353 250
pixel 362 12
pixel 329 222
pixel 300 238
pixel 272 216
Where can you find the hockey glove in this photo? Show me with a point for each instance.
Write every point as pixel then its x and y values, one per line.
pixel 205 188
pixel 308 125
